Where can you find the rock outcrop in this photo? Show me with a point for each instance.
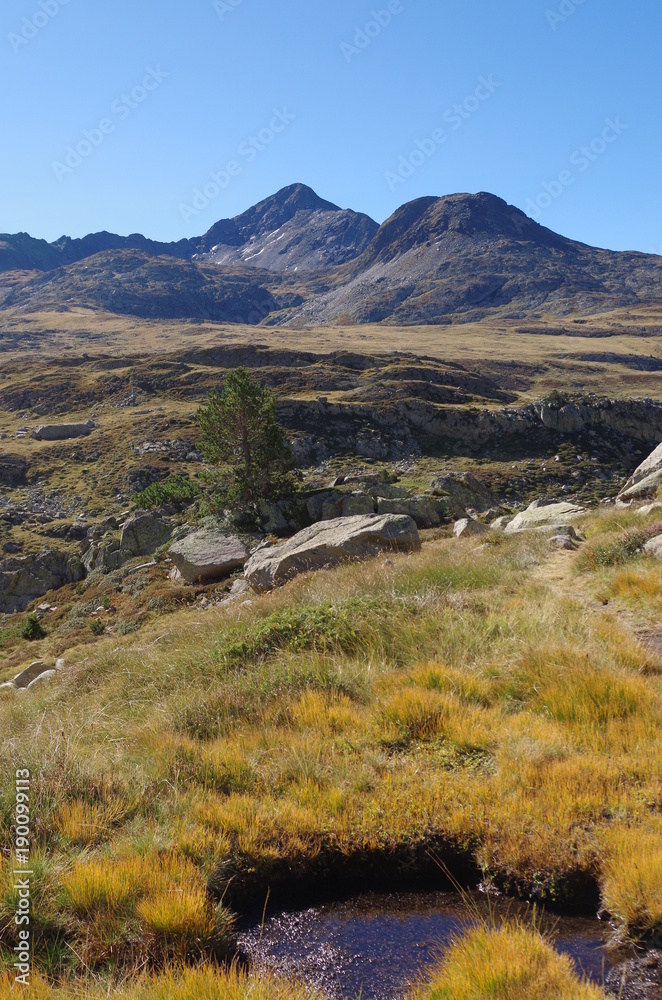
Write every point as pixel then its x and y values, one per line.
pixel 329 543
pixel 646 480
pixel 12 469
pixel 208 555
pixel 22 578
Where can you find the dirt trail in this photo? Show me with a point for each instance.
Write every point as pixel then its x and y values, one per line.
pixel 557 572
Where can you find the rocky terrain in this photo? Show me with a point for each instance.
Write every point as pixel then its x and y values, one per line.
pixel 296 260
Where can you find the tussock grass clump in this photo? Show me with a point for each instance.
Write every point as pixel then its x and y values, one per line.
pixel 505 963
pixel 160 899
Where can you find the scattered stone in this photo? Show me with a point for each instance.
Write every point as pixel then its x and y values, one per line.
pixel 208 555
pixel 467 527
pixel 329 543
pixel 501 523
pixel 552 514
pixel 239 587
pixel 62 432
pixel 563 542
pixel 639 978
pixel 138 569
pixel 8 685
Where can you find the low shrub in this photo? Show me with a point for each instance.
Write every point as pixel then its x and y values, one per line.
pixel 620 551
pixel 32 629
pixel 176 490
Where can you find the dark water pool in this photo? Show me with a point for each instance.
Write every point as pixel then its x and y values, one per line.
pixel 376 945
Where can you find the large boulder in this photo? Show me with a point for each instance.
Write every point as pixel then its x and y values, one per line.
pixel 22 578
pixel 646 480
pixel 144 533
pixel 208 555
pixel 550 515
pixel 62 432
pixel 464 492
pixel 329 543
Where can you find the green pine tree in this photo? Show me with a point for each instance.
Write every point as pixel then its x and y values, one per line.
pixel 241 433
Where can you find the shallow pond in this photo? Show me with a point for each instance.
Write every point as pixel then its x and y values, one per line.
pixel 376 945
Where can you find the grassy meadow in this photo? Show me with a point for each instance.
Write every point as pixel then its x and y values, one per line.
pixel 490 705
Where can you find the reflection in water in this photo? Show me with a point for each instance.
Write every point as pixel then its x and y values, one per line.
pixel 375 946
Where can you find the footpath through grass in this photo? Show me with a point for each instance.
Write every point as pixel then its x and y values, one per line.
pixel 356 719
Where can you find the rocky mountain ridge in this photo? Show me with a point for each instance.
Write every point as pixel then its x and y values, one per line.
pixel 297 260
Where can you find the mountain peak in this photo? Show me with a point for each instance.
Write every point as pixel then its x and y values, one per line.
pixel 279 208
pixel 480 217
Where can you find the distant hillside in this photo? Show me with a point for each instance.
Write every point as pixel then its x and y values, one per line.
pixel 295 259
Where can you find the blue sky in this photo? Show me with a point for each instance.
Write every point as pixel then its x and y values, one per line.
pixel 115 112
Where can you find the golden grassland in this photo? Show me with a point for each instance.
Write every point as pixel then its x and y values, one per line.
pixel 483 703
pixel 556 352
